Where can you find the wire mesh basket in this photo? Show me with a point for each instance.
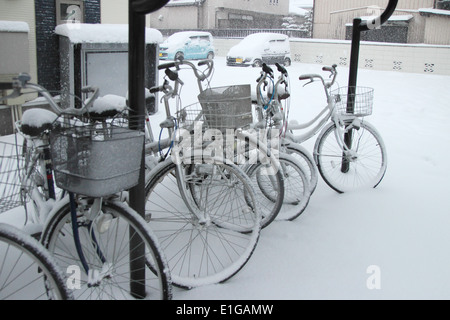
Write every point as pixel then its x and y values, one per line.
pixel 356 101
pixel 96 160
pixel 10 165
pixel 222 108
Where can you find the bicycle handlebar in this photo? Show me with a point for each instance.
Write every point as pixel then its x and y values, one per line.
pixel 327 85
pixel 200 76
pixel 22 82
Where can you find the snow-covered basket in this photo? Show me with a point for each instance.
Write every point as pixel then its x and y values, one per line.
pixel 10 166
pixel 96 160
pixel 227 107
pixel 361 101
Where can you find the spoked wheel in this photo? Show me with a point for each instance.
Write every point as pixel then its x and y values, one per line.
pixel 205 218
pixel 28 271
pixel 306 160
pixel 365 162
pixel 121 252
pixel 296 190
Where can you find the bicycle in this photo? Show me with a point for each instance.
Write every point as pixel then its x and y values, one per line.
pixel 348 152
pixel 201 206
pixel 85 225
pixel 300 177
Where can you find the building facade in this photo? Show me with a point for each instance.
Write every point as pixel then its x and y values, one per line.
pixel 414 21
pixel 220 14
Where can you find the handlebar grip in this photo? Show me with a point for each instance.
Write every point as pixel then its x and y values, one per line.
pixel 306 77
pixel 281 69
pixel 330 69
pixel 155 89
pixel 267 69
pixel 203 62
pixel 167 65
pixel 88 89
pixel 173 75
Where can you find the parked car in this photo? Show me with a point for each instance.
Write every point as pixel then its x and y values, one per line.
pixel 259 48
pixel 189 45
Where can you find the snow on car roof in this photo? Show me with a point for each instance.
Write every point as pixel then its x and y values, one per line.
pixel 263 36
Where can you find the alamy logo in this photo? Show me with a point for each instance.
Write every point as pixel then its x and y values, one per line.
pixel 373 282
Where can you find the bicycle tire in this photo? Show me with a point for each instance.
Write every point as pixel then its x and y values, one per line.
pixel 272 191
pixel 114 227
pixel 306 159
pixel 202 253
pixel 368 162
pixel 296 188
pixel 27 270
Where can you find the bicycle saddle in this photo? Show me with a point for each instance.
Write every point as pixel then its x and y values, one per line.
pixel 35 121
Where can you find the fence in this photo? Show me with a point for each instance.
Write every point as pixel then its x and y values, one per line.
pixel 241 33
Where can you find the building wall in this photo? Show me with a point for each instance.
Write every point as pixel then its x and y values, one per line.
pixel 437 30
pixel 116 12
pixel 330 16
pixel 180 17
pixel 216 13
pixel 263 6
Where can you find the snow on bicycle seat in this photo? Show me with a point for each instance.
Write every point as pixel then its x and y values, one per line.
pixel 35 121
pixel 107 107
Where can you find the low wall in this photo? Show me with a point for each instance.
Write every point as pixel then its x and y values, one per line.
pixel 416 58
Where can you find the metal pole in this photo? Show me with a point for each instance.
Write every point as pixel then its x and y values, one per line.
pixel 137 9
pixel 358 27
pixel 136 99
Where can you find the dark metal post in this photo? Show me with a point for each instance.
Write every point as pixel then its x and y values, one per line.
pixel 137 9
pixel 358 27
pixel 136 99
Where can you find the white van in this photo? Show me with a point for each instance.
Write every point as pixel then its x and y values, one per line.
pixel 259 48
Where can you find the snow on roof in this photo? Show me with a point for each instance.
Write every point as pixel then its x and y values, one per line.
pixel 14 26
pixel 435 11
pixel 300 7
pixel 302 3
pixel 102 33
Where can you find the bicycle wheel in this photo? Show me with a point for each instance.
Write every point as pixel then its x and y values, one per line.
pixel 27 270
pixel 210 238
pixel 366 157
pixel 296 188
pixel 271 185
pixel 117 245
pixel 306 160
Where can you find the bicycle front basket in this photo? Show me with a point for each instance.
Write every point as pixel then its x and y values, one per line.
pixel 227 107
pixel 96 161
pixel 10 187
pixel 357 101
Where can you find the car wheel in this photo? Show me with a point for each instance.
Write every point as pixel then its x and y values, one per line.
pixel 179 56
pixel 210 55
pixel 257 63
pixel 287 62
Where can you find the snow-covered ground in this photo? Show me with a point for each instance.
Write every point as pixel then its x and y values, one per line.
pixel 393 239
pixel 391 242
